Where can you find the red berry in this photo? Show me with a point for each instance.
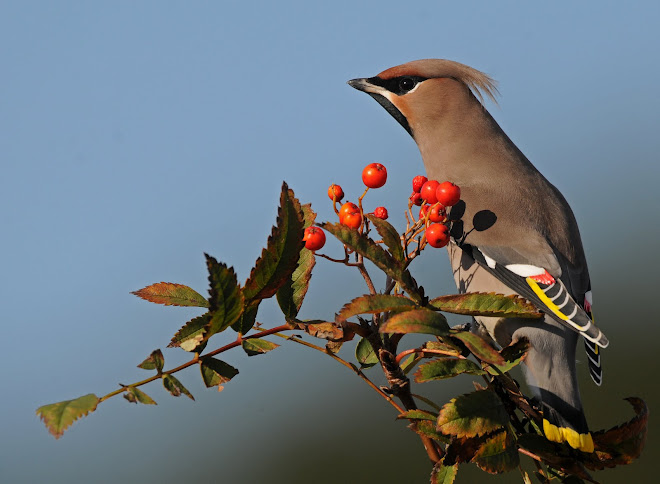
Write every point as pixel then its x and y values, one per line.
pixel 352 220
pixel 335 193
pixel 448 194
pixel 416 199
pixel 418 181
pixel 428 191
pixel 437 213
pixel 437 235
pixel 374 175
pixel 423 210
pixel 381 212
pixel 347 208
pixel 314 238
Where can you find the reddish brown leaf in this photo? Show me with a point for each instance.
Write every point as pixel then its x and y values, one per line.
pixel 622 444
pixel 171 294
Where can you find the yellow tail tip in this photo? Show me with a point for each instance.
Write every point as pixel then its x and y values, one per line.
pixel 582 442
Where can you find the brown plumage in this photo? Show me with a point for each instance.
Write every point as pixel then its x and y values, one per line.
pixel 513 224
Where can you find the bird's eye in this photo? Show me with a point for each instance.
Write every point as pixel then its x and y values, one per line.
pixel 406 84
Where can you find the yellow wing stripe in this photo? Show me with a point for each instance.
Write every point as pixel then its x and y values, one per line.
pixel 583 442
pixel 551 305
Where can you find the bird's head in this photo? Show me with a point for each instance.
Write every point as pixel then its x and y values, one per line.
pixel 421 93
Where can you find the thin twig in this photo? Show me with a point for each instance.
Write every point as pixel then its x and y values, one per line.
pixel 196 359
pixel 348 365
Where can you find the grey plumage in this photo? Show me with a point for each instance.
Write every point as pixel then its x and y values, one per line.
pixel 514 227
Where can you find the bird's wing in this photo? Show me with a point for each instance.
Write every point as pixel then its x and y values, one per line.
pixel 535 281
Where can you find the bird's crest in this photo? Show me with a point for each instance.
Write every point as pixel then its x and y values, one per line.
pixel 479 83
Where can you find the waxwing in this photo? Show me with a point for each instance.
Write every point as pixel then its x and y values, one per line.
pixel 512 232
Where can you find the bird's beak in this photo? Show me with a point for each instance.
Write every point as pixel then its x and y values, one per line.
pixel 365 86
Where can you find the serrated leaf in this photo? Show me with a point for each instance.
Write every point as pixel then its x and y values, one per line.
pixel 390 236
pixel 418 415
pixel 365 354
pixel 486 304
pixel 366 247
pixel 322 329
pixel 622 444
pixel 480 348
pixel 446 368
pixel 171 294
pixel 422 321
pixel 225 297
pixel 247 318
pixel 155 361
pixel 292 293
pixel 472 414
pixel 497 454
pixel 280 257
pixel 447 348
pixel 444 474
pixel 427 429
pixel 175 387
pixel 513 355
pixel 190 336
pixel 257 346
pixel 59 416
pixel 375 303
pixel 135 395
pixel 216 372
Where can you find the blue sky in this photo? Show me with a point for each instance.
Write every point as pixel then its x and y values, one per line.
pixel 134 136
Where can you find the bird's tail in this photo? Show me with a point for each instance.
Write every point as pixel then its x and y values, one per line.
pixel 562 423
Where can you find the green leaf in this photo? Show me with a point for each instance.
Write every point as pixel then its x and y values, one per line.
pixel 59 416
pixel 390 236
pixel 247 318
pixel 375 303
pixel 480 348
pixel 366 247
pixel 175 387
pixel 190 336
pixel 513 355
pixel 171 294
pixel 292 293
pixel 446 368
pixel 226 297
pixel 427 429
pixel 418 415
pixel 486 304
pixel 444 474
pixel 444 346
pixel 257 346
pixel 365 354
pixel 410 362
pixel 472 414
pixel 135 395
pixel 155 361
pixel 498 454
pixel 216 372
pixel 416 321
pixel 280 257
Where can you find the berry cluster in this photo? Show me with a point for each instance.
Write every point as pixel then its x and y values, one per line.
pixel 434 198
pixel 431 196
pixel 351 215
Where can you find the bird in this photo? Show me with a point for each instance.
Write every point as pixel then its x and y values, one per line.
pixel 512 232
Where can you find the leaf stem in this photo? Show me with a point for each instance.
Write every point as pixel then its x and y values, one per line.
pixel 196 359
pixel 348 365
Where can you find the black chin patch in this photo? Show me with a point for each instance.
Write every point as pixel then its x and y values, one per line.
pixel 394 112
